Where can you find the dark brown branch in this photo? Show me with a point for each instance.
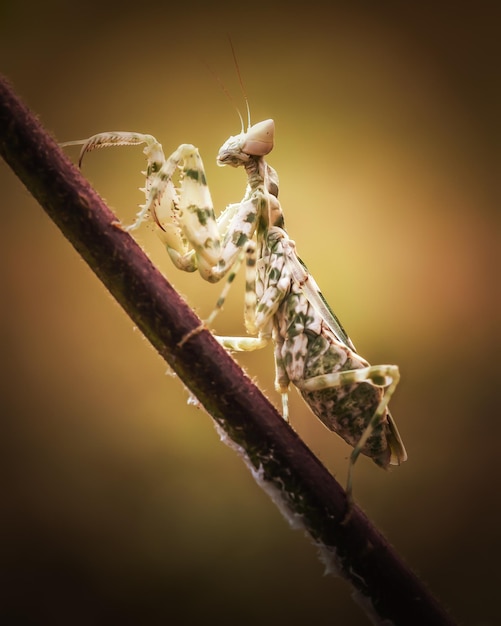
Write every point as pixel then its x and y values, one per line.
pixel 287 468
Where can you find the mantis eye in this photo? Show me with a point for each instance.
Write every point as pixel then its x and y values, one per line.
pixel 259 138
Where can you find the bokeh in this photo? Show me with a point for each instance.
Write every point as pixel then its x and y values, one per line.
pixel 119 502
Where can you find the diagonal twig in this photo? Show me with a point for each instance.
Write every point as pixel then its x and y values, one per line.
pixel 282 464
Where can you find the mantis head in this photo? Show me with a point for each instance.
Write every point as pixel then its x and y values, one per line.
pixel 257 141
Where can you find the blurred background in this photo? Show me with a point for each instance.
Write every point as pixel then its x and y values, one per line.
pixel 119 502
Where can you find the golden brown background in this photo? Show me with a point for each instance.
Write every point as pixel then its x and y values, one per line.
pixel 119 502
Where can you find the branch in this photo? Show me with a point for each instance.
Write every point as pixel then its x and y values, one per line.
pixel 282 464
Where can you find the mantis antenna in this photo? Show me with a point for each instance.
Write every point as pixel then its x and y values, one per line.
pixel 241 83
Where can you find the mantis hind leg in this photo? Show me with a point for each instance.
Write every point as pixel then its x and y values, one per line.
pixel 385 377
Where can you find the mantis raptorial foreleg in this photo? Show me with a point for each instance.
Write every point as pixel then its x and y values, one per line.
pixel 184 214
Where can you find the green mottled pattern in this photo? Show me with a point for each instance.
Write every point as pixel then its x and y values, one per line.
pixel 204 215
pixel 196 174
pixel 308 349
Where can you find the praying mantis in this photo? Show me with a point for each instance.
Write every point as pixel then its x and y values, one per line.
pixel 283 303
